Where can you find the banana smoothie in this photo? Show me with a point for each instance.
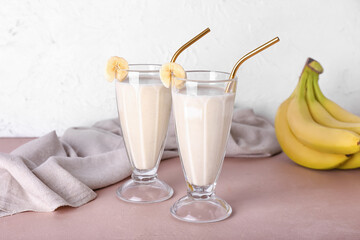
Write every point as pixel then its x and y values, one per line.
pixel 144 110
pixel 203 124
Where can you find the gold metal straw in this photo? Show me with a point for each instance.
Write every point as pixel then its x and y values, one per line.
pixel 246 57
pixel 186 45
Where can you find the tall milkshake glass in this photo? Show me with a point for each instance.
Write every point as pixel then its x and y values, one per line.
pixel 203 108
pixel 144 106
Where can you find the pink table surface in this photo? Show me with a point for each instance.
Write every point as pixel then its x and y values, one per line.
pixel 272 198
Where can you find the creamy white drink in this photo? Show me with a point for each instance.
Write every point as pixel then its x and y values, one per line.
pixel 144 111
pixel 202 124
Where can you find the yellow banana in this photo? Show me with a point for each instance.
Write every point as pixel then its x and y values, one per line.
pixel 352 163
pixel 320 114
pixel 309 132
pixel 334 109
pixel 297 151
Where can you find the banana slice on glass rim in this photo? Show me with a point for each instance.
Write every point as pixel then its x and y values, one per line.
pixel 168 70
pixel 113 69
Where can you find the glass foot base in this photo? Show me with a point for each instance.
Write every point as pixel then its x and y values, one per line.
pixel 144 192
pixel 212 209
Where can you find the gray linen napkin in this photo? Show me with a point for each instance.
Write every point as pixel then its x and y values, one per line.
pixel 50 172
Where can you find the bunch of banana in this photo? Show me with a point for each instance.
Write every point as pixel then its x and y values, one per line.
pixel 314 131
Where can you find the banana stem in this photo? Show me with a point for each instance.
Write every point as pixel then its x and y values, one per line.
pixel 319 95
pixel 301 88
pixel 314 65
pixel 310 95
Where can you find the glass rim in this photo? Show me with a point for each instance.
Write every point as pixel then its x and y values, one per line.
pixel 207 81
pixel 141 70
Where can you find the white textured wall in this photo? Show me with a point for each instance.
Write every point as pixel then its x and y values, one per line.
pixel 53 53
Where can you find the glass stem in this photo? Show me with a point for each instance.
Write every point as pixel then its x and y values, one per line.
pixel 201 192
pixel 143 178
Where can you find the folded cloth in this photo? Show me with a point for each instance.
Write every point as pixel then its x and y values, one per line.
pixel 251 136
pixel 50 172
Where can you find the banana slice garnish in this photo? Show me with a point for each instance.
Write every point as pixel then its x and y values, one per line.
pixel 113 69
pixel 172 69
